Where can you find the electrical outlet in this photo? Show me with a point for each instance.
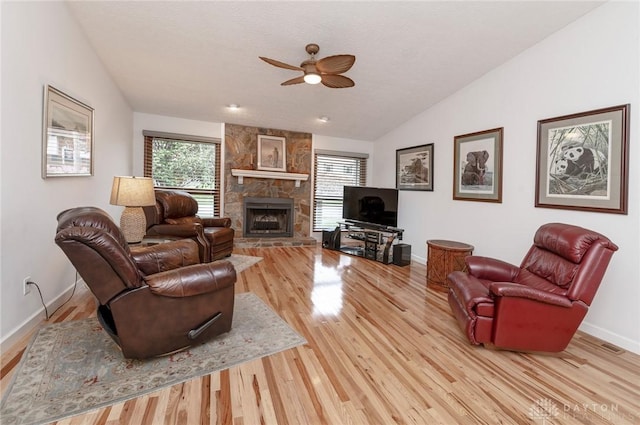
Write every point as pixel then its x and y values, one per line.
pixel 26 288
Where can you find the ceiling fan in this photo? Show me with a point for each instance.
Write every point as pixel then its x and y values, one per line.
pixel 326 70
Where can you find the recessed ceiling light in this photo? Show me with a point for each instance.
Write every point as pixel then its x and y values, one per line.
pixel 324 118
pixel 233 106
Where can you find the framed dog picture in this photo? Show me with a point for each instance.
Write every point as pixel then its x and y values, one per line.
pixel 414 168
pixel 582 161
pixel 477 166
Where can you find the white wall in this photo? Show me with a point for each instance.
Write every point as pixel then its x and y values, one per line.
pixel 42 44
pixel 592 63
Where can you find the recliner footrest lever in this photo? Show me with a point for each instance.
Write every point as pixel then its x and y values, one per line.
pixel 195 333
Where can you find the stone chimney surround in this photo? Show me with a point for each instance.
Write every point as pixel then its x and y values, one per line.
pixel 242 180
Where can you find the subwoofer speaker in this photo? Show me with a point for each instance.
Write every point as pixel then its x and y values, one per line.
pixel 402 254
pixel 331 238
pixel 326 238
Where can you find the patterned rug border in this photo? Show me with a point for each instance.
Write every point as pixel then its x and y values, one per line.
pixel 241 300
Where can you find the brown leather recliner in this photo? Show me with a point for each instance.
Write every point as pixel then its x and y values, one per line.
pixel 539 305
pixel 174 216
pixel 152 300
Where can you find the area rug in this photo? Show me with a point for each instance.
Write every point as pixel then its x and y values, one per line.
pixel 242 262
pixel 72 367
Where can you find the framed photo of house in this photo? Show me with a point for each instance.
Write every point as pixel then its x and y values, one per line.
pixel 414 168
pixel 272 152
pixel 582 161
pixel 477 166
pixel 67 136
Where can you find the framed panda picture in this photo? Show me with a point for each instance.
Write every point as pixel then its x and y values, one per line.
pixel 582 161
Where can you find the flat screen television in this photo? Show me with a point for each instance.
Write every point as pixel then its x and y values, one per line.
pixel 370 205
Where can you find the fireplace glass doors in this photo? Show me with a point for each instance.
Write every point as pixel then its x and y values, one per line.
pixel 268 218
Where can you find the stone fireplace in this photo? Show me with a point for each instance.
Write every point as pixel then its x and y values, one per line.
pixel 268 217
pixel 241 154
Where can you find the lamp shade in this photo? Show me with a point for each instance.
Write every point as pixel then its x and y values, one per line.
pixel 132 191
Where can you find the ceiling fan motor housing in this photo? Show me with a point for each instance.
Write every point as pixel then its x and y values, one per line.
pixel 309 66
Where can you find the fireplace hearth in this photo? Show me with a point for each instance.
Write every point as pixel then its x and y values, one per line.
pixel 268 217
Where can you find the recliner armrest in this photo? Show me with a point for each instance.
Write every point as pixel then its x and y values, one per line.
pixel 192 280
pixel 165 256
pixel 491 269
pixel 216 222
pixel 516 290
pixel 185 230
pixel 468 290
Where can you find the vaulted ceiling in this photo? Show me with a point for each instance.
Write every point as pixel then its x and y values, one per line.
pixel 192 59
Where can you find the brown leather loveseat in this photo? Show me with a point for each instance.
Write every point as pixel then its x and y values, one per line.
pixel 152 300
pixel 175 216
pixel 539 305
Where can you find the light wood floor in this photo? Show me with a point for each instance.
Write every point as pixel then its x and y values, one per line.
pixel 382 349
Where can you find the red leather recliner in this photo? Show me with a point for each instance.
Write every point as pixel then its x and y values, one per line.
pixel 539 305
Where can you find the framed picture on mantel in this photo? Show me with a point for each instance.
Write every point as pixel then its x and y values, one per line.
pixel 272 153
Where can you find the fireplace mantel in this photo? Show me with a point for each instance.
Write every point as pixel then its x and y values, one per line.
pixel 260 174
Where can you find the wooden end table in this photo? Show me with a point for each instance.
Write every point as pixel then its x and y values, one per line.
pixel 444 257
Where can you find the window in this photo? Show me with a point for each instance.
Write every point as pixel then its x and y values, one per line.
pixel 188 163
pixel 333 171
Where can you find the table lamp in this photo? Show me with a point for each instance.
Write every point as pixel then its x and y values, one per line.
pixel 133 193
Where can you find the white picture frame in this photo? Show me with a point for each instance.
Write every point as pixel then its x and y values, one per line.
pixel 272 153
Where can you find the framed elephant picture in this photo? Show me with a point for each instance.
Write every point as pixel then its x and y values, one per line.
pixel 477 166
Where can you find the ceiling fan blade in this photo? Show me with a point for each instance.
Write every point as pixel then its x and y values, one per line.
pixel 335 64
pixel 280 64
pixel 296 80
pixel 337 81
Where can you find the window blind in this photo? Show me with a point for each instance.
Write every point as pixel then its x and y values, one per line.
pixel 333 171
pixel 186 163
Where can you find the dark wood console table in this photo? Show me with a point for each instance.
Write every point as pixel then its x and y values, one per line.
pixel 444 257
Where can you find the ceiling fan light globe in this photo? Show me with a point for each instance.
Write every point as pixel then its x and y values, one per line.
pixel 312 78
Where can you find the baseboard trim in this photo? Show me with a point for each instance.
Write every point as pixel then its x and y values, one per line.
pixel 418 259
pixel 37 317
pixel 610 337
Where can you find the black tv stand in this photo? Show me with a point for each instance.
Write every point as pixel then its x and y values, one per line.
pixel 372 226
pixel 368 240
